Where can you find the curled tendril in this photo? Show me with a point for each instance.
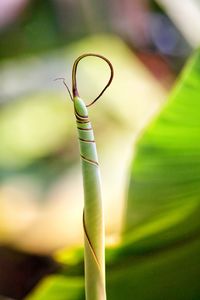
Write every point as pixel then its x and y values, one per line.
pixel 74 71
pixel 74 81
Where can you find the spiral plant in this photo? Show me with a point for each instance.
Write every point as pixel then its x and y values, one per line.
pixel 93 216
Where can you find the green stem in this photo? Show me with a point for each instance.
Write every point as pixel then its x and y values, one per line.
pixel 93 211
pixel 93 217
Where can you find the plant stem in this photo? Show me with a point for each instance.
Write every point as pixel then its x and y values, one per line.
pixel 93 211
pixel 93 217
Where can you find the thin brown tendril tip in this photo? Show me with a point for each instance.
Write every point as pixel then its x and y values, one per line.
pixel 74 71
pixel 64 82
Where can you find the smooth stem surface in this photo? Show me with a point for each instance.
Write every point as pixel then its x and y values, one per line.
pixel 93 221
pixel 93 212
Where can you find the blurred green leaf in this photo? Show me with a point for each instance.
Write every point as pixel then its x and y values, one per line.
pixel 158 258
pixel 163 196
pixel 59 287
pixel 162 216
pixel 32 129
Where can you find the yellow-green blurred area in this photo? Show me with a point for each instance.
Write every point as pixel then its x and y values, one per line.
pixel 41 195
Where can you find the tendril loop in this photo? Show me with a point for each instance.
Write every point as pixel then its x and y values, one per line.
pixel 74 72
pixel 74 80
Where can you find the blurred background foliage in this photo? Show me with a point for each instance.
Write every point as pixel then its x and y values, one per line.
pixel 41 198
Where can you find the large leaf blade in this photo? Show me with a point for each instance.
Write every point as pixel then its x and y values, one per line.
pixel 165 178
